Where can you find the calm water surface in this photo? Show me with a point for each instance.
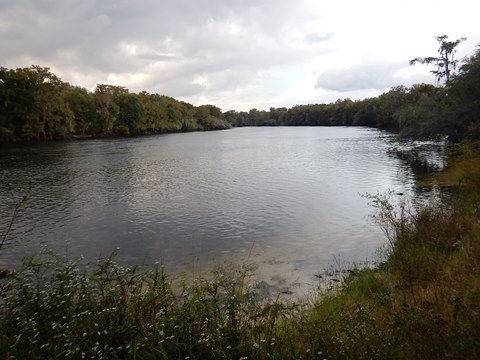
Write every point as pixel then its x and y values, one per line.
pixel 287 200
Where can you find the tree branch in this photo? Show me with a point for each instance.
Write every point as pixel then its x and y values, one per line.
pixel 12 220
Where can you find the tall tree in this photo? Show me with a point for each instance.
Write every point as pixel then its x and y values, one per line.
pixel 465 91
pixel 445 62
pixel 131 114
pixel 82 104
pixel 107 109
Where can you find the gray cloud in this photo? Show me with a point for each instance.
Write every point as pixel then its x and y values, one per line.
pixel 369 75
pixel 201 50
pixel 165 45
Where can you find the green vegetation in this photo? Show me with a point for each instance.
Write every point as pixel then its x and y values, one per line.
pixel 54 308
pixel 36 105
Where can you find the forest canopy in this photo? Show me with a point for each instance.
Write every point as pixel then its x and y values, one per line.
pixel 36 104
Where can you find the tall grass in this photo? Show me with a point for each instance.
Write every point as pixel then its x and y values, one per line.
pixel 423 302
pixel 54 308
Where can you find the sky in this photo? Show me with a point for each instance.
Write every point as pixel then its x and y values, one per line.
pixel 236 54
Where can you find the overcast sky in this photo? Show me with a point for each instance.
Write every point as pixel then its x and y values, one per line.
pixel 236 54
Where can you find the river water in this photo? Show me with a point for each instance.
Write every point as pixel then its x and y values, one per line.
pixel 286 200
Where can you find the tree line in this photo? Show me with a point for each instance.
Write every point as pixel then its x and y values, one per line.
pixel 420 111
pixel 36 104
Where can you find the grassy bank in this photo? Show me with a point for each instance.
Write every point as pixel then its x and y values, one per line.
pixel 422 302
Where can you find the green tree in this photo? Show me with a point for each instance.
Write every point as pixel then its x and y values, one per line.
pixel 7 120
pixel 389 103
pixel 423 113
pixel 33 103
pixel 367 114
pixel 48 106
pixel 107 109
pixel 154 116
pixel 131 113
pixel 210 117
pixel 82 104
pixel 445 62
pixel 464 90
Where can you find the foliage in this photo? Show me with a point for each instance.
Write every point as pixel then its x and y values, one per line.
pixel 32 104
pixel 54 308
pixel 36 105
pixel 465 91
pixel 209 117
pixel 376 112
pixel 82 105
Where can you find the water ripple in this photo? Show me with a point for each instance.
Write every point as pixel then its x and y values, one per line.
pixel 290 193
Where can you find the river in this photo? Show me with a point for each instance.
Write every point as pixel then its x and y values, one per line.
pixel 287 200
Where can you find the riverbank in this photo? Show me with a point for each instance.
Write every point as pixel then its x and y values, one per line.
pixel 422 302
